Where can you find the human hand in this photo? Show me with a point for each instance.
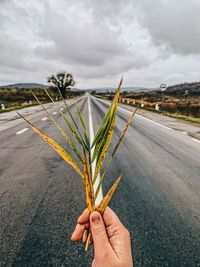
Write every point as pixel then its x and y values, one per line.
pixel 112 246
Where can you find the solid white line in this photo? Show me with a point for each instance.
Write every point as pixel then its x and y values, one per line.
pixel 22 131
pixel 159 124
pixel 44 119
pixel 54 113
pixel 91 129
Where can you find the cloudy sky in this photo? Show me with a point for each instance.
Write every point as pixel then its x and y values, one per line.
pixel 148 41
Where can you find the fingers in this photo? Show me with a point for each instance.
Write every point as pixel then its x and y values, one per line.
pixel 110 218
pixel 99 234
pixel 82 224
pixel 84 218
pixel 78 232
pixel 85 235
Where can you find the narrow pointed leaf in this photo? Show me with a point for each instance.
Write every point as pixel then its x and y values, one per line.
pixel 88 185
pixel 114 151
pixel 70 127
pixel 64 154
pixel 104 203
pixel 102 206
pixel 72 130
pixel 68 139
pixel 107 116
pixel 74 122
pixel 109 132
pixel 123 132
pixel 46 91
pixel 83 125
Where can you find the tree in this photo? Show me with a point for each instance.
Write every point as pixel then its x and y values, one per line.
pixel 62 81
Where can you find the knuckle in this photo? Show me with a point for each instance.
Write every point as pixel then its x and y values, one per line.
pixel 100 231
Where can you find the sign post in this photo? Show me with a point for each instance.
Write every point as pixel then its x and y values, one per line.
pixel 163 88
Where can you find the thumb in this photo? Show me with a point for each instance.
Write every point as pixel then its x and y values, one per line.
pixel 99 235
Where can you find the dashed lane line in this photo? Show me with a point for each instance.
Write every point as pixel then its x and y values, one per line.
pixel 44 119
pixel 22 131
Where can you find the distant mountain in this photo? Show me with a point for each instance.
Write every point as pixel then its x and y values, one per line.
pixel 189 88
pixel 24 86
pixel 113 89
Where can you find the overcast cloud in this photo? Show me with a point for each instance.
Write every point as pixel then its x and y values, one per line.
pixel 148 41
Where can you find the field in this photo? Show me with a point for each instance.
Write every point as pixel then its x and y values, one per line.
pixel 186 107
pixel 19 98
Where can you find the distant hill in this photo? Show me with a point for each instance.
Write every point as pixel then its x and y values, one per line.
pixel 113 89
pixel 179 89
pixel 24 86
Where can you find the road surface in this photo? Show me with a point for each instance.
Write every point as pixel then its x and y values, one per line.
pixel 41 197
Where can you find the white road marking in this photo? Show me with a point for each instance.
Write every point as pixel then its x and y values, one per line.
pixel 55 112
pixel 196 140
pixel 61 109
pixel 130 112
pixel 22 131
pixel 91 129
pixel 44 119
pixel 159 124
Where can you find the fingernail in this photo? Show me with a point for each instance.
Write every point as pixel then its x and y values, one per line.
pixel 95 218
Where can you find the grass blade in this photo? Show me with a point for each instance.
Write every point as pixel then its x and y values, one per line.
pixel 70 127
pixel 63 133
pixel 83 125
pixel 64 154
pixel 102 206
pixel 46 91
pixel 88 185
pixel 108 133
pixel 104 203
pixel 115 149
pixel 87 147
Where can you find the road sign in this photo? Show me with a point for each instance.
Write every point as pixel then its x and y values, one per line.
pixel 163 87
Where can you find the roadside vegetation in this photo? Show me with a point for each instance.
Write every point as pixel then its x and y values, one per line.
pixel 15 98
pixel 180 101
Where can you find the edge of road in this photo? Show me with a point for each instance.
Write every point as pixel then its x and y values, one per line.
pixel 167 122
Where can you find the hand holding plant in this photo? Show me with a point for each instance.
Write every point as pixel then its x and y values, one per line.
pixel 112 246
pixel 84 157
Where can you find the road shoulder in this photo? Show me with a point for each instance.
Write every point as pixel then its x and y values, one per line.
pixel 192 129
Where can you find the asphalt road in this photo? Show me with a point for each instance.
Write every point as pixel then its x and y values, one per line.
pixel 41 197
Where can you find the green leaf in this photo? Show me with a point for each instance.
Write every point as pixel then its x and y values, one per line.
pixel 63 133
pixel 108 133
pixel 115 150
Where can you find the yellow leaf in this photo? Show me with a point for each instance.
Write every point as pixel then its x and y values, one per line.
pixel 89 193
pixel 109 132
pixel 104 203
pixel 64 154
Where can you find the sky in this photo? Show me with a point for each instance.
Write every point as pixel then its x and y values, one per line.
pixel 149 42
